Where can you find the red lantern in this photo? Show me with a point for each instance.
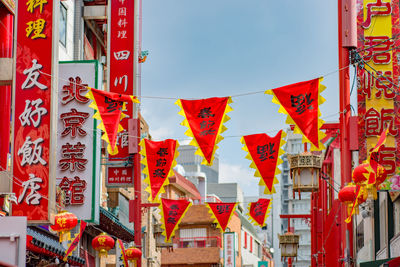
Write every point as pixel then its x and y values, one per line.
pixel 63 223
pixel 347 196
pixel 133 254
pixel 361 173
pixel 103 243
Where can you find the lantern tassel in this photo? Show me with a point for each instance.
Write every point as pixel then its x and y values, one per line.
pixel 64 236
pixel 103 253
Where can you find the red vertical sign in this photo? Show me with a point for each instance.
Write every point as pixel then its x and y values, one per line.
pixel 122 62
pixel 32 115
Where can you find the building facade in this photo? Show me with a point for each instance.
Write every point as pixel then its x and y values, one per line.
pixel 292 204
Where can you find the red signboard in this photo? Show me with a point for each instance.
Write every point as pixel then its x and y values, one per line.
pixel 121 67
pixel 33 127
pixel 119 175
pixel 378 103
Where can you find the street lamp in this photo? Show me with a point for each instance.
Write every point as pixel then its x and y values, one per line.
pixel 288 243
pixel 304 170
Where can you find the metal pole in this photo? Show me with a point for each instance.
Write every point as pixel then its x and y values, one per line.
pixel 136 157
pixel 345 112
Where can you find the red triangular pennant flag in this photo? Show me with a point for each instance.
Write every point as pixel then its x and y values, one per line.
pixel 258 211
pixel 109 106
pixel 222 213
pixel 300 101
pixel 159 159
pixel 205 119
pixel 172 212
pixel 264 152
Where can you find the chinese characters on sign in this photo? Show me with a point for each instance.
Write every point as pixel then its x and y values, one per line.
pixel 378 105
pixel 121 77
pixel 34 103
pixel 121 66
pixel 78 141
pixel 229 250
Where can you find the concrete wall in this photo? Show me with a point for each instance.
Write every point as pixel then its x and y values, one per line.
pixel 66 52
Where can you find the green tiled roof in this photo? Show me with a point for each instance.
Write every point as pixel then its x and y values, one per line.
pixel 115 220
pixel 51 244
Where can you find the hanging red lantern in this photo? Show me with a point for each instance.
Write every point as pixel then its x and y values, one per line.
pixel 133 254
pixel 347 196
pixel 64 222
pixel 103 243
pixel 361 173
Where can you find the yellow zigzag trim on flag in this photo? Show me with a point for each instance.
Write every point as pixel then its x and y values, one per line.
pixel 267 212
pixel 277 170
pixel 145 171
pixel 215 218
pixel 164 232
pixel 290 121
pixel 100 126
pixel 219 138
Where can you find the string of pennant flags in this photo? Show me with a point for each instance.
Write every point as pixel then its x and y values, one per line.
pixel 204 120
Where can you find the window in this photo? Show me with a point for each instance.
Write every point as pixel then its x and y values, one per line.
pixel 245 239
pixel 251 244
pixel 63 25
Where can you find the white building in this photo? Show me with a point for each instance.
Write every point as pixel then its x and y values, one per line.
pixel 291 204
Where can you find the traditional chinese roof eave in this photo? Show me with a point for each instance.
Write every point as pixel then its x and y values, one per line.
pixel 42 243
pixel 111 224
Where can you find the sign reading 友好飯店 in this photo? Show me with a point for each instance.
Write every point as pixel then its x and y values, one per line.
pixel 35 127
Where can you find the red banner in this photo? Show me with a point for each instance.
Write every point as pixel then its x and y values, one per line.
pixel 159 159
pixel 109 106
pixel 33 127
pixel 172 212
pixel 121 60
pixel 75 240
pixel 222 213
pixel 258 211
pixel 264 152
pixel 205 119
pixel 300 101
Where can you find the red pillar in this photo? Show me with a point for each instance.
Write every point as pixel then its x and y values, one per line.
pixel 6 51
pixel 345 113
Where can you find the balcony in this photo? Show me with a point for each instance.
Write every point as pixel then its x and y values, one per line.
pixel 197 242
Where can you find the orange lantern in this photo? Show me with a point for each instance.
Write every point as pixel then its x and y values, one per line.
pixel 64 222
pixel 103 243
pixel 361 173
pixel 133 254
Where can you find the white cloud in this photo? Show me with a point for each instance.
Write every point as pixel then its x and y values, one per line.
pixel 235 173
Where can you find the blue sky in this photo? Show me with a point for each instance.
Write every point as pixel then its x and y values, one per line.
pixel 208 48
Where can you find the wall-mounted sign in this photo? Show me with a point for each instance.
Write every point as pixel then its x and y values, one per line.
pixel 79 147
pixel 35 105
pixel 229 249
pixel 378 103
pixel 121 76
